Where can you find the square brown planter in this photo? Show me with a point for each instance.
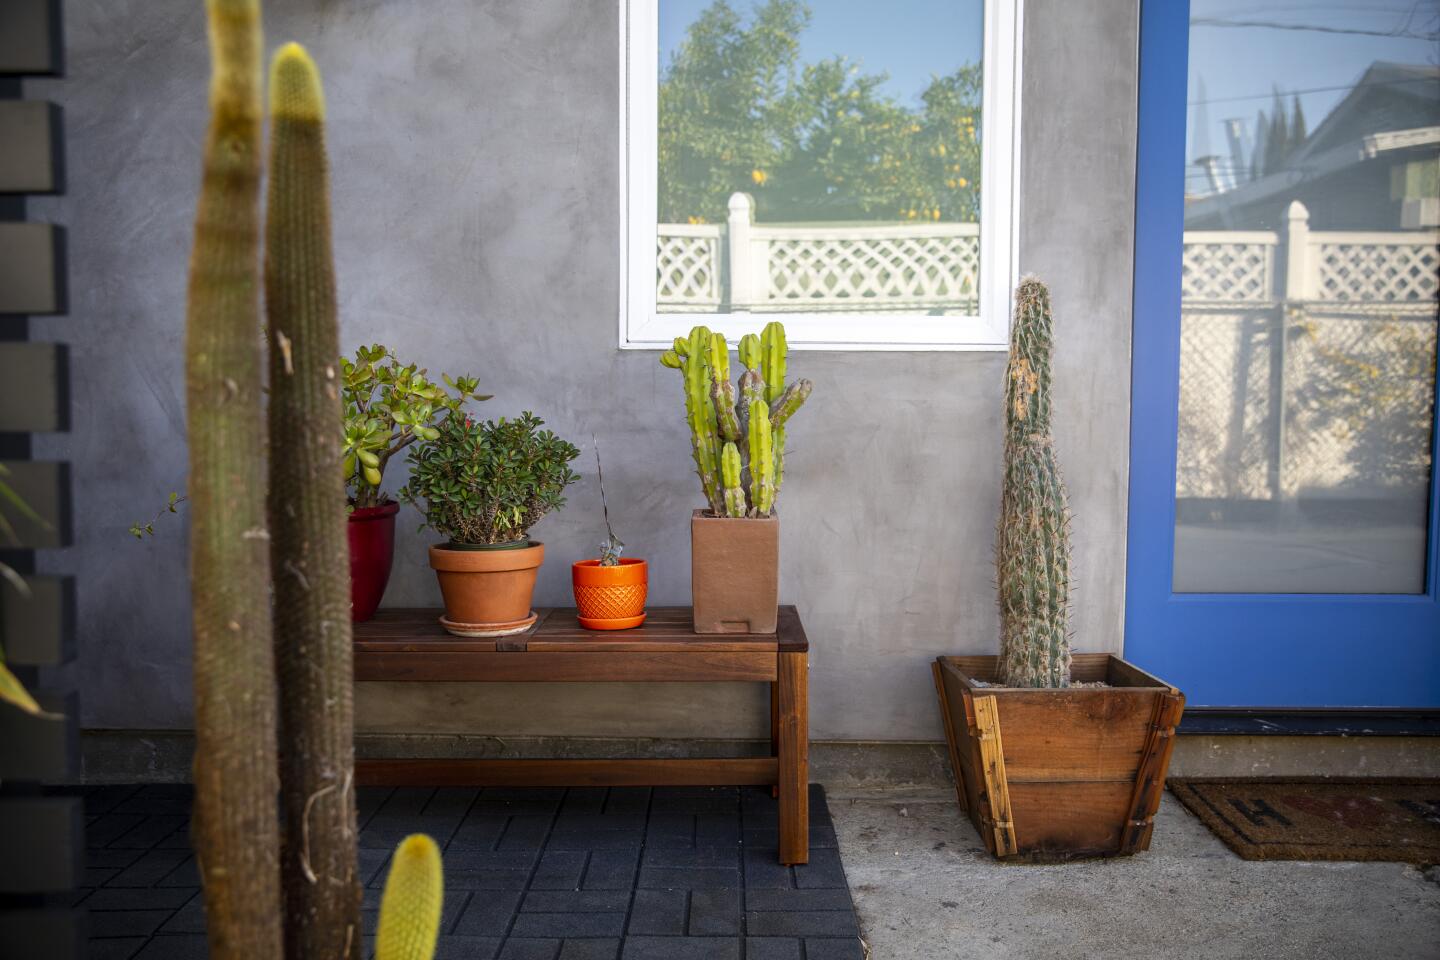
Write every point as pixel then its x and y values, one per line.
pixel 734 573
pixel 1050 775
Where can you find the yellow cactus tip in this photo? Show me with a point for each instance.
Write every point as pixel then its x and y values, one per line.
pixel 295 85
pixel 410 906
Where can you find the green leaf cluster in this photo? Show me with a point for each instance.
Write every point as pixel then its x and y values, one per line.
pixel 489 482
pixel 738 111
pixel 388 406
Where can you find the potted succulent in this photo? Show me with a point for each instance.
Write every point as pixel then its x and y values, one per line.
pixel 388 406
pixel 1056 755
pixel 739 448
pixel 483 486
pixel 610 591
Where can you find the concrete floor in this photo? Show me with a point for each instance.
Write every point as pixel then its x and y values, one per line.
pixel 925 889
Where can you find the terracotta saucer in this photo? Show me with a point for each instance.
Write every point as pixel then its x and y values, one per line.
pixel 476 630
pixel 618 623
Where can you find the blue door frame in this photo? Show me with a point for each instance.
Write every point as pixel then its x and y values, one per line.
pixel 1256 650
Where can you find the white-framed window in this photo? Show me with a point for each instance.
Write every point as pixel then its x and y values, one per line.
pixel 818 165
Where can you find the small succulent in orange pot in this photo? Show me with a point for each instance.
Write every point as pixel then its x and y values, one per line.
pixel 610 591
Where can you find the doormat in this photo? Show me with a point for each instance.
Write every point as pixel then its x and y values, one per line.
pixel 1319 819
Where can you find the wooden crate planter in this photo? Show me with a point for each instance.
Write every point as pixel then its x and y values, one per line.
pixel 1048 775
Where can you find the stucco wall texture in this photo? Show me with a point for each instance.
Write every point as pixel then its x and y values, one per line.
pixel 474 147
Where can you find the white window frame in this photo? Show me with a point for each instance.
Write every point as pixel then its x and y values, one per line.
pixel 642 327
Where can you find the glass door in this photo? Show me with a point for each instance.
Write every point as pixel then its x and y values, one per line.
pixel 1282 506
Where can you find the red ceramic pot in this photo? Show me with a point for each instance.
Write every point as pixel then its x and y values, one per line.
pixel 372 550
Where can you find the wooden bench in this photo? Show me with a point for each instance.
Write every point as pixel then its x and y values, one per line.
pixel 410 645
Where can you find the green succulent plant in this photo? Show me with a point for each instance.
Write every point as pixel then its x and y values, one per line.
pixel 486 483
pixel 388 406
pixel 732 434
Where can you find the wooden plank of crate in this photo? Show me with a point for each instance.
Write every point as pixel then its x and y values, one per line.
pixel 32 267
pixel 30 162
pixel 41 842
pixel 38 630
pixel 46 749
pixel 53 932
pixel 1150 778
pixel 30 37
pixel 949 724
pixel 45 486
pixel 992 753
pixel 32 385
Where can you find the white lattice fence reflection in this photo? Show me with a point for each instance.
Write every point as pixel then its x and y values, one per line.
pixel 1307 361
pixel 1235 268
pixel 687 272
pixel 742 265
pixel 933 267
pixel 1374 267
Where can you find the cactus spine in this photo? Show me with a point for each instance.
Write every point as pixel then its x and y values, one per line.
pixel 309 553
pixel 1032 549
pixel 410 905
pixel 236 832
pixel 732 436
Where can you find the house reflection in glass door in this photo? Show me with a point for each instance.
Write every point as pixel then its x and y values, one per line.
pixel 1308 332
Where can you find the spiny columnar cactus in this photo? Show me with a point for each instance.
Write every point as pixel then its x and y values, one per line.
pixel 1032 542
pixel 235 828
pixel 732 436
pixel 410 905
pixel 309 552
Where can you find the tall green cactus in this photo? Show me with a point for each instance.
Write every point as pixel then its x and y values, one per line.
pixel 309 553
pixel 236 832
pixel 700 413
pixel 731 436
pixel 1032 542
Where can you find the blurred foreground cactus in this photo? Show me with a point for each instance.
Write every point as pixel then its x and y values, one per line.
pixel 410 905
pixel 1032 541
pixel 308 549
pixel 732 436
pixel 237 835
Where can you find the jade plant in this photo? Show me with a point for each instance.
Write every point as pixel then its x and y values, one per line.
pixel 1032 541
pixel 488 483
pixel 389 406
pixel 737 437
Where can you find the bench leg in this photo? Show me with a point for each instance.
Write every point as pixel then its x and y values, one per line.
pixel 793 729
pixel 774 729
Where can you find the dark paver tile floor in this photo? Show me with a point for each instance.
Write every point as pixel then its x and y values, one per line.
pixel 634 873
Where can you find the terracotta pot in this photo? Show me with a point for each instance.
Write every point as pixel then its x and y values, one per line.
pixel 487 591
pixel 610 598
pixel 1049 775
pixel 734 573
pixel 371 532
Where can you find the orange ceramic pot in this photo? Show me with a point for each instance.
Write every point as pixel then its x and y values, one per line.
pixel 611 598
pixel 487 591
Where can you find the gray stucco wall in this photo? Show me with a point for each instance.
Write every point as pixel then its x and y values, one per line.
pixel 474 150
